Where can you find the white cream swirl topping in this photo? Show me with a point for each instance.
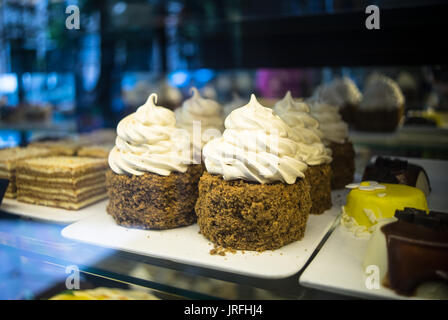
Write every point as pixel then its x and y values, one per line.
pixel 331 123
pixel 148 141
pixel 236 102
pixel 381 92
pixel 306 129
pixel 199 111
pixel 339 92
pixel 257 145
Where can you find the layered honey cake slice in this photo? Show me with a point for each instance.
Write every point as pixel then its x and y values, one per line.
pixel 61 181
pixel 95 151
pixel 8 161
pixel 64 147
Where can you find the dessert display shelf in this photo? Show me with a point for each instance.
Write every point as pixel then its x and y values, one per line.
pixel 62 126
pixel 50 214
pixel 420 138
pixel 338 267
pixel 186 245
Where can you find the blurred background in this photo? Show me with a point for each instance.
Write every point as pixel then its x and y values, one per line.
pixel 55 81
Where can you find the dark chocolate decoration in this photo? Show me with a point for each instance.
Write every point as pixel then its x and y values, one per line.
pixel 433 219
pixel 417 249
pixel 390 170
pixel 3 186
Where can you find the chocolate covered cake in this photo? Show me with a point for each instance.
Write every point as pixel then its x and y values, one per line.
pixel 411 251
pixel 390 170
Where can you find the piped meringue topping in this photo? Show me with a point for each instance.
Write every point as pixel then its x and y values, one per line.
pixel 331 123
pixel 200 111
pixel 296 113
pixel 257 145
pixel 381 92
pixel 148 141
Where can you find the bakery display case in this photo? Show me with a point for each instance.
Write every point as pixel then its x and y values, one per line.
pixel 236 150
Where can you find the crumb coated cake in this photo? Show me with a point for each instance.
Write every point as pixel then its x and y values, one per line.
pixel 319 178
pixel 8 163
pixel 152 183
pixel 343 164
pixel 250 216
pixel 312 151
pixel 382 106
pixel 254 195
pixel 61 181
pixel 336 138
pixel 152 201
pixel 203 112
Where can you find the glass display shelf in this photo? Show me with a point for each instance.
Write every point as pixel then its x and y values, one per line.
pixel 406 138
pixel 22 239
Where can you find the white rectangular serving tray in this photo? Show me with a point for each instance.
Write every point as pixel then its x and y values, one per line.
pixel 338 267
pixel 186 245
pixel 50 214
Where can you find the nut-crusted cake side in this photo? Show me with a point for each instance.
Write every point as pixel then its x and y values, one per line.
pixel 151 201
pixel 319 178
pixel 250 216
pixel 343 164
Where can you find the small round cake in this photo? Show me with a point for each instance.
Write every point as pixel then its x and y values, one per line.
pixel 311 149
pixel 382 106
pixel 335 132
pixel 411 253
pixel 201 118
pixel 368 202
pixel 342 93
pixel 254 195
pixel 152 183
pixel 394 170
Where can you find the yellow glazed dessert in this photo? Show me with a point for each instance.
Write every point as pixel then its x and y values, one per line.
pixel 369 201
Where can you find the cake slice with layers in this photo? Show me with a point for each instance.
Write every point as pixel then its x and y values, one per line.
pixel 95 151
pixel 61 181
pixel 8 161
